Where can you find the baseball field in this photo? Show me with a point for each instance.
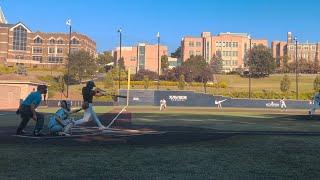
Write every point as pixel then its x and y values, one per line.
pixel 186 143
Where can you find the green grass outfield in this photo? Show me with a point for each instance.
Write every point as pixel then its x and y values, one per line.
pixel 230 157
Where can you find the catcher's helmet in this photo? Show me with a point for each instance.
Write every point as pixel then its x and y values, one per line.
pixel 67 104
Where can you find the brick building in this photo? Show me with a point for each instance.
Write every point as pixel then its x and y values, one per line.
pixel 232 47
pixel 18 44
pixel 307 51
pixel 142 56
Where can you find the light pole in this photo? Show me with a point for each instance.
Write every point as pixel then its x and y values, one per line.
pixel 158 36
pixel 249 63
pixel 68 23
pixel 297 85
pixel 120 39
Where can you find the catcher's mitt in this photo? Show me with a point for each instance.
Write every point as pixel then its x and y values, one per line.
pixel 85 105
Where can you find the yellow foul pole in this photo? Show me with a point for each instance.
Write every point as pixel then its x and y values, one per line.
pixel 128 89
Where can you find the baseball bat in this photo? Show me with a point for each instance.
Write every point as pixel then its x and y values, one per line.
pixel 108 94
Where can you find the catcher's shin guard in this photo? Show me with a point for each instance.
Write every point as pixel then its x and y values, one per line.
pixel 67 128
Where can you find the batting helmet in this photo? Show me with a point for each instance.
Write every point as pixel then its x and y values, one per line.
pixel 90 84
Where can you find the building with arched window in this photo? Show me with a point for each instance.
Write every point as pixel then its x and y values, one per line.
pixel 19 45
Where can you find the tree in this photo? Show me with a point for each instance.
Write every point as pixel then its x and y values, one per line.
pixel 109 82
pixel 182 82
pixel 82 65
pixel 103 59
pixel 143 72
pixel 261 61
pixel 121 63
pixel 170 75
pixel 146 82
pixel 21 69
pixel 60 85
pixel 285 84
pixel 164 63
pixel 285 64
pixel 316 83
pixel 196 69
pixel 216 64
pixel 177 53
pixel 306 67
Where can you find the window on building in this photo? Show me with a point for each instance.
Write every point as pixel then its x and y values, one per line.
pixel 75 41
pixel 19 57
pixel 60 41
pixel 191 44
pixel 142 57
pixel 60 50
pixel 191 53
pixel 218 53
pixel 198 44
pixel 37 58
pixel 51 50
pixel 38 40
pixel 74 50
pixel 20 38
pixel 53 59
pixel 198 53
pixel 52 41
pixel 37 50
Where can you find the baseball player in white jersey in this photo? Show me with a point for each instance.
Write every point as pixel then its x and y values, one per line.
pixel 163 104
pixel 283 105
pixel 316 103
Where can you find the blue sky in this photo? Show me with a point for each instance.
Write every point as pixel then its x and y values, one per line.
pixel 142 19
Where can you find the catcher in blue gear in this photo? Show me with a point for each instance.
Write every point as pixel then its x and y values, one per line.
pixel 60 123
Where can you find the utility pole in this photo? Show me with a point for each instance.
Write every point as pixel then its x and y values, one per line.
pixel 120 38
pixel 297 85
pixel 158 36
pixel 69 52
pixel 250 61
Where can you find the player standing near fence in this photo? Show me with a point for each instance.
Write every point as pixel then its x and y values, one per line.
pixel 316 103
pixel 283 105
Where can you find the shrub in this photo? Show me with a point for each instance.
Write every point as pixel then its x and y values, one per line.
pixel 6 70
pixel 222 84
pixel 146 82
pixel 182 82
pixel 285 84
pixel 142 73
pixel 316 83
